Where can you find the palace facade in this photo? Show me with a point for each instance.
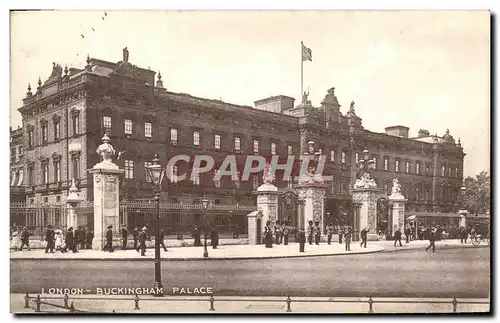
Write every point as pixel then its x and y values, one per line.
pixel 66 116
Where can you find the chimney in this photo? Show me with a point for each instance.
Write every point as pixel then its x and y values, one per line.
pixel 397 131
pixel 423 133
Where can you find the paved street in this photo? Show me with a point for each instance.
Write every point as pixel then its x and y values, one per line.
pixel 412 273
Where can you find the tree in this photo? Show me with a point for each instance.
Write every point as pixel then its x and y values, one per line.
pixel 477 193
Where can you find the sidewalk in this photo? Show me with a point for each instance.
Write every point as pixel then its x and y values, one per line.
pixel 232 252
pixel 422 244
pixel 246 304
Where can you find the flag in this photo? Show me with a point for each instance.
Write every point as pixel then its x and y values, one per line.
pixel 306 53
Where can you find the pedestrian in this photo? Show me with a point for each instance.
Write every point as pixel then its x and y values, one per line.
pixel 124 237
pixel 277 232
pixel 302 240
pixel 142 242
pixel 89 237
pixel 25 239
pixel 286 232
pixel 59 243
pixel 317 233
pixel 463 235
pixel 347 239
pixel 364 236
pixel 268 235
pixel 432 239
pixel 76 236
pixel 162 238
pixel 49 238
pixel 70 240
pixel 397 237
pixel 81 238
pixel 407 233
pixel 15 239
pixel 310 232
pixel 329 232
pixel 341 233
pixel 196 236
pixel 214 237
pixel 236 232
pixel 135 235
pixel 109 239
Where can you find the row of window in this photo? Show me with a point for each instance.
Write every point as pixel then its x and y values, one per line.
pixel 44 130
pixel 128 126
pixel 55 173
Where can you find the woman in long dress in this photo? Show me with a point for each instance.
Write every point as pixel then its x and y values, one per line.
pixel 16 240
pixel 59 243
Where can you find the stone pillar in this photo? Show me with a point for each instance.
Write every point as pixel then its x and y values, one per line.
pixel 313 197
pixel 267 204
pixel 254 231
pixel 72 201
pixel 367 198
pixel 398 213
pixel 106 196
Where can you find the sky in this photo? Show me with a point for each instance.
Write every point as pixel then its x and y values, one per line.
pixel 422 69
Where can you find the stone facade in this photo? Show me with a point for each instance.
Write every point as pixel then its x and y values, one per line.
pixel 103 96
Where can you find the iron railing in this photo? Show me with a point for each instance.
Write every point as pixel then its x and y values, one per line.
pixel 35 302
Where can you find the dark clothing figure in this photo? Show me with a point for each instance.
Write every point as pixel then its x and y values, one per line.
pixel 397 237
pixel 214 238
pixel 236 232
pixel 341 233
pixel 197 237
pixel 286 232
pixel 364 235
pixel 81 238
pixel 89 237
pixel 70 241
pixel 124 238
pixel 407 233
pixel 432 239
pixel 463 235
pixel 329 232
pixel 25 239
pixel 277 230
pixel 142 242
pixel 268 236
pixel 347 239
pixel 49 237
pixel 162 242
pixel 135 235
pixel 317 234
pixel 310 233
pixel 302 240
pixel 109 241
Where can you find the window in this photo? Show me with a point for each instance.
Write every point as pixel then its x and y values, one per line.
pixel 417 193
pixel 237 144
pixel 129 169
pixel 417 168
pixel 196 138
pixel 374 162
pixel 57 171
pixel 30 138
pixel 128 127
pixel 332 187
pixel 196 180
pixel 237 182
pixel 148 129
pixel 13 154
pixel 256 146
pixel 76 122
pixel 332 155
pixel 75 163
pixel 146 165
pixel 255 182
pixel 45 173
pixel 173 136
pixel 106 122
pixel 30 175
pixel 273 148
pixel 174 172
pixel 357 158
pixel 290 150
pixel 456 171
pixel 397 165
pixel 449 171
pixel 44 133
pixel 386 163
pixel 217 182
pixel 427 167
pixel 57 132
pixel 343 157
pixel 217 142
pixel 58 198
pixel 443 170
pixel 407 167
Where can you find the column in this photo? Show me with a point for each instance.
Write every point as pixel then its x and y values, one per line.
pixel 367 198
pixel 313 197
pixel 267 204
pixel 254 236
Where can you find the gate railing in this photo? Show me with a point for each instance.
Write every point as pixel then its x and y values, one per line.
pixel 371 303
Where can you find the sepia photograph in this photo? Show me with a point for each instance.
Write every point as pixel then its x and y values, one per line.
pixel 249 162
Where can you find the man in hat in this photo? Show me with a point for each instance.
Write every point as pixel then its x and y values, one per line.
pixel 25 238
pixel 135 234
pixel 302 240
pixel 109 239
pixel 81 237
pixel 49 237
pixel 124 237
pixel 162 238
pixel 88 238
pixel 197 237
pixel 364 236
pixel 70 240
pixel 329 232
pixel 142 242
pixel 397 237
pixel 432 239
pixel 310 232
pixel 317 233
pixel 347 239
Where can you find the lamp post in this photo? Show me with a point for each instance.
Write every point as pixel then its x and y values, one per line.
pixel 204 204
pixel 157 174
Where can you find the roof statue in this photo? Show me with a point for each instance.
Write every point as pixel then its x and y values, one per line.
pixel 364 179
pixel 448 137
pixel 396 190
pixel 311 177
pixel 305 98
pixel 56 70
pixel 125 55
pixel 351 109
pixel 268 177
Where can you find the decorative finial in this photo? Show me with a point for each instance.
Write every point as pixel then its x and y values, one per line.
pixel 459 143
pixel 39 82
pixel 159 83
pixel 156 160
pixel 29 90
pixel 105 138
pixel 88 59
pixel 66 69
pixel 159 75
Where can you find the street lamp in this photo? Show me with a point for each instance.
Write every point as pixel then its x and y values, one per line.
pixel 204 205
pixel 157 174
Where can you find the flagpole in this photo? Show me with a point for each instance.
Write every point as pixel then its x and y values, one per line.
pixel 301 70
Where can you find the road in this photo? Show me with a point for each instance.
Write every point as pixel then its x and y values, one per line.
pixel 415 273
